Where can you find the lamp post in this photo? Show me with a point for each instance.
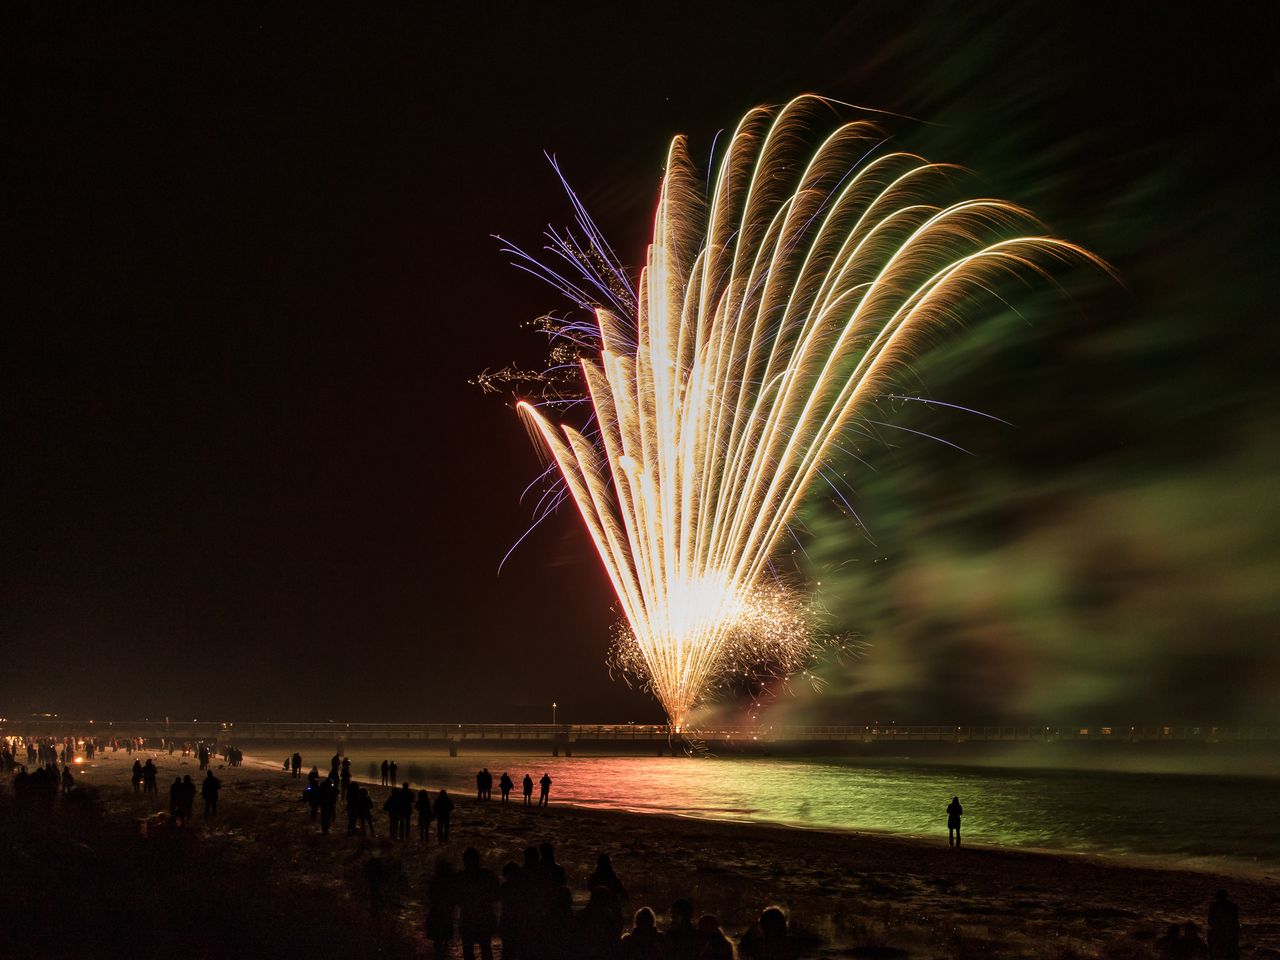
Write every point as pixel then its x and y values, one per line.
pixel 553 713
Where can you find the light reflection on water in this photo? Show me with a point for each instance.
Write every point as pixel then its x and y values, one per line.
pixel 1211 818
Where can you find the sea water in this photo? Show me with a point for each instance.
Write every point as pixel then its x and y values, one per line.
pixel 1199 820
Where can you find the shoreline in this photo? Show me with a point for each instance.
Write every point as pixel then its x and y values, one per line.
pixel 851 893
pixel 1221 866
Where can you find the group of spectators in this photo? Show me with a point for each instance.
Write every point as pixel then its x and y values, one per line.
pixel 42 783
pixel 1183 941
pixel 41 752
pixel 401 805
pixel 530 910
pixel 323 794
pixel 484 787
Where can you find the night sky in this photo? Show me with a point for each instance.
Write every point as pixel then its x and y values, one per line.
pixel 249 271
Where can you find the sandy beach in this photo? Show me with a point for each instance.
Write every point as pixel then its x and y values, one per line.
pixel 845 894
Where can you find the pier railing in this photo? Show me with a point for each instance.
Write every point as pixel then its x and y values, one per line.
pixel 612 732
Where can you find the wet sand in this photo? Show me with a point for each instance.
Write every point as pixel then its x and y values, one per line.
pixel 848 894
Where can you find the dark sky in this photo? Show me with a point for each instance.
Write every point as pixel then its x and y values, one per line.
pixel 249 270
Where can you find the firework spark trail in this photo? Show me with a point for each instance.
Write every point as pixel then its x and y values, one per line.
pixel 767 315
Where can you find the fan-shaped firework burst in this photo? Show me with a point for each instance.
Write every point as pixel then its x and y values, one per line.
pixel 774 305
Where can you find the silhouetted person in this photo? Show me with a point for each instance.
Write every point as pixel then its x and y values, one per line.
pixel 477 894
pixel 441 897
pixel 351 797
pixel 209 790
pixel 136 776
pixel 313 777
pixel 557 926
pixel 603 876
pixel 768 938
pixel 954 812
pixel 505 785
pixel 391 807
pixel 67 780
pixel 328 803
pixel 148 777
pixel 551 872
pixel 484 785
pixel 643 942
pixel 712 943
pixel 188 796
pixel 297 764
pixel 406 810
pixel 1224 928
pixel 423 805
pixel 391 773
pixel 596 927
pixel 385 772
pixel 544 797
pixel 443 809
pixel 681 935
pixel 366 812
pixel 345 778
pixel 175 799
pixel 335 767
pixel 513 927
pixel 1190 945
pixel 528 790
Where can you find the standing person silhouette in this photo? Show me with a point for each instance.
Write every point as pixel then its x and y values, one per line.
pixel 441 899
pixel 188 796
pixel 505 785
pixel 544 796
pixel 954 812
pixel 423 805
pixel 528 790
pixel 477 893
pixel 209 790
pixel 392 809
pixel 385 766
pixel 1224 928
pixel 443 809
pixel 175 800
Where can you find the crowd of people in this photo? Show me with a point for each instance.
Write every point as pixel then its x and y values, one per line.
pixel 43 752
pixel 530 910
pixel 1183 941
pixel 323 794
pixel 42 783
pixel 484 787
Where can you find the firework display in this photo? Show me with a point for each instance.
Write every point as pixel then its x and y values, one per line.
pixel 776 303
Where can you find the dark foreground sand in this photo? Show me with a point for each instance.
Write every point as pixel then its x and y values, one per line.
pixel 264 869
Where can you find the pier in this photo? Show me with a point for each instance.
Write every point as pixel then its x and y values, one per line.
pixel 456 738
